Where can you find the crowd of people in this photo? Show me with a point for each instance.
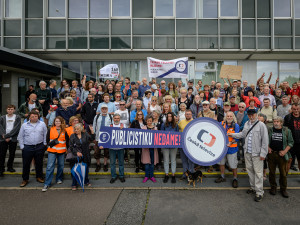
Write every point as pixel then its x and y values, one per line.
pixel 262 122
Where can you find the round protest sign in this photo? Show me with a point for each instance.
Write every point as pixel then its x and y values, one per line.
pixel 204 141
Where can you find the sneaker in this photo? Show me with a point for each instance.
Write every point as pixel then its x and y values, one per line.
pixel 294 168
pixel 145 179
pixel 284 194
pixel 166 179
pixel 98 167
pixel 45 188
pixel 59 182
pixel 250 191
pixel 273 191
pixel 153 179
pixel 112 180
pixel 235 183
pixel 220 179
pixel 258 198
pixel 173 180
pixel 74 188
pixel 105 168
pixel 122 179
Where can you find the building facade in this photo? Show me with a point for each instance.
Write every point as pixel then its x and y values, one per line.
pixel 81 36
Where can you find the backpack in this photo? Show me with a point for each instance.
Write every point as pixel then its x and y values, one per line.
pixel 110 117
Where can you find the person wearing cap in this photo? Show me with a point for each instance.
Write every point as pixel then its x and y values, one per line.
pixel 51 114
pixel 226 108
pixel 256 138
pixel 104 119
pixel 233 105
pixel 206 112
pixel 191 85
pixel 154 91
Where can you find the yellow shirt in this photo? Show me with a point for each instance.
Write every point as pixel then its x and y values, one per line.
pixel 182 124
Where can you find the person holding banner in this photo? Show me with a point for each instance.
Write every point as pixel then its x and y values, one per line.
pixel 149 155
pixel 170 125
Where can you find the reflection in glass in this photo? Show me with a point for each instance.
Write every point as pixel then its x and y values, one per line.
pixel 56 27
pixel 248 8
pixel 229 8
pixel 99 27
pixel 229 26
pixel 267 67
pixel 99 8
pixel 264 27
pixel 282 8
pixel 142 26
pixel 185 27
pixel 263 43
pixel 12 28
pixel 206 27
pixel 164 27
pixel 77 43
pixel 12 42
pixel 283 27
pixel 99 42
pixel 283 42
pixel 13 8
pixel 142 8
pixel 33 43
pixel 78 9
pixel 164 43
pixel 249 43
pixel 186 9
pixel 263 9
pixel 289 66
pixel 164 8
pixel 120 42
pixel 34 27
pixel 33 9
pixel 290 77
pixel 206 77
pixel 56 43
pixel 248 27
pixel 77 27
pixel 230 42
pixel 186 43
pixel 208 43
pixel 120 8
pixel 56 8
pixel 205 65
pixel 142 42
pixel 120 27
pixel 208 9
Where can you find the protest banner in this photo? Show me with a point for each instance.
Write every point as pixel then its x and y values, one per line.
pixel 109 71
pixel 231 72
pixel 176 68
pixel 204 140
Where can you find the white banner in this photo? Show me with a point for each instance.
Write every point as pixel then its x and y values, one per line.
pixel 176 68
pixel 109 71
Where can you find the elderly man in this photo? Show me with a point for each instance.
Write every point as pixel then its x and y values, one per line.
pixel 196 107
pixel 206 112
pixel 266 94
pixel 230 126
pixel 284 108
pixel 144 87
pixel 131 101
pixel 191 85
pixel 26 107
pixel 32 140
pixel 110 105
pixel 269 111
pixel 65 110
pixel 163 85
pixel 154 91
pixel 280 142
pixel 44 98
pixel 255 151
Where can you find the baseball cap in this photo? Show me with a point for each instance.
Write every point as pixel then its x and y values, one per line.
pixel 205 103
pixel 234 80
pixel 153 86
pixel 191 81
pixel 232 96
pixel 227 103
pixel 251 111
pixel 132 83
pixel 104 106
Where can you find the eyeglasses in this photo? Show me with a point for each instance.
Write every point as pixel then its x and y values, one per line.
pixel 154 100
pixel 122 104
pixel 140 114
pixel 241 107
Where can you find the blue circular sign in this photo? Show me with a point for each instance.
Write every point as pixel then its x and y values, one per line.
pixel 204 141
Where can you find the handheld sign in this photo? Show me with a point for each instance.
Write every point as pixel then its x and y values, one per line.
pixel 109 71
pixel 204 140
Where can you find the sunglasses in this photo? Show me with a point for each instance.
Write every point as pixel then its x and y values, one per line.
pixel 118 96
pixel 241 107
pixel 140 114
pixel 154 100
pixel 122 104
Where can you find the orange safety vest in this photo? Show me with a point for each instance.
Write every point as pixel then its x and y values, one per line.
pixel 230 130
pixel 62 146
pixel 69 130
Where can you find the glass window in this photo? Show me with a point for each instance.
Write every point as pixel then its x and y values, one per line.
pixel 78 27
pixel 289 72
pixel 208 8
pixel 206 77
pixel 267 67
pixel 249 43
pixel 120 8
pixel 120 43
pixel 263 9
pixel 77 43
pixel 248 8
pixel 230 26
pixel 164 8
pixel 208 43
pixel 87 68
pixel 120 27
pixel 34 27
pixel 264 43
pixel 185 27
pixel 229 8
pixel 13 43
pixel 205 65
pixel 142 27
pixel 99 8
pixel 142 42
pixel 289 66
pixel 264 27
pixel 283 27
pixel 297 43
pixel 13 8
pixel 186 42
pixel 33 9
pixel 206 27
pixel 186 9
pixel 248 27
pixel 12 28
pixel 297 8
pixel 142 8
pixel 33 43
pixel 282 8
pixel 99 43
pixel 98 27
pixel 297 27
pixel 230 42
pixel 78 9
pixel 56 8
pixel 56 43
pixel 56 27
pixel 164 27
pixel 164 43
pixel 283 43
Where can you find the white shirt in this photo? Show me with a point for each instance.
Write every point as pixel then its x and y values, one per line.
pixel 10 123
pixel 124 117
pixel 31 106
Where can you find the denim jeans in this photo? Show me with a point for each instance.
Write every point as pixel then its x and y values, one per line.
pixel 186 163
pixel 86 180
pixel 149 168
pixel 51 165
pixel 112 156
pixel 169 153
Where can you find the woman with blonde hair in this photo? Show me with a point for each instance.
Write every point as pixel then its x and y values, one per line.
pixel 153 105
pixel 58 142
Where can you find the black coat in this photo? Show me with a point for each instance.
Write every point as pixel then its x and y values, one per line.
pixel 83 146
pixel 135 124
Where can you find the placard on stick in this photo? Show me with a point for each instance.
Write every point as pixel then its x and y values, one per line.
pixel 232 72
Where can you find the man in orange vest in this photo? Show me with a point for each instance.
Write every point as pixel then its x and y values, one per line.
pixel 231 126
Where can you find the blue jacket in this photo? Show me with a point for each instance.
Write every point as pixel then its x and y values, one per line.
pixel 133 114
pixel 245 119
pixel 66 114
pixel 169 128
